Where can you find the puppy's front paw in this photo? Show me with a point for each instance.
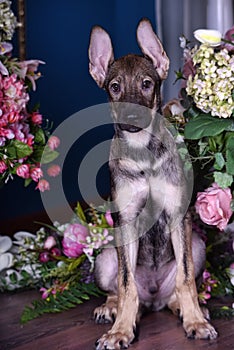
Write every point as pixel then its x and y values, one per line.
pixel 105 313
pixel 200 330
pixel 114 341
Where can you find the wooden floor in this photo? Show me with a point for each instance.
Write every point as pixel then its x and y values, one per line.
pixel 75 329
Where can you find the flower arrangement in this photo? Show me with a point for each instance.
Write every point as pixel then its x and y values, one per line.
pixel 204 117
pixel 58 259
pixel 22 136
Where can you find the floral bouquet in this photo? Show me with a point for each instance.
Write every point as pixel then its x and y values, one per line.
pixel 22 137
pixel 58 259
pixel 204 117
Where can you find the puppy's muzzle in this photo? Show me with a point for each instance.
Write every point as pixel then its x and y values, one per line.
pixel 133 118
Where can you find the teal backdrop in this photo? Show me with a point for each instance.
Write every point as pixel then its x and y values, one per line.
pixel 58 32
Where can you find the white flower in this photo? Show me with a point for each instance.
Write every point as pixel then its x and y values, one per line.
pixel 5 244
pixel 208 36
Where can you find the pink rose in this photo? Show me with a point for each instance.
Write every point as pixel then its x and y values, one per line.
pixel 23 171
pixel 74 240
pixel 213 206
pixel 53 170
pixel 53 142
pixel 36 174
pixel 43 185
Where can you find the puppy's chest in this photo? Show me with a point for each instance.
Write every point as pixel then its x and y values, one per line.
pixel 155 247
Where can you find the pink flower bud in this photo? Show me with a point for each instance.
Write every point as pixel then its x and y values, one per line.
pixel 53 170
pixel 44 257
pixel 36 174
pixel 53 142
pixel 49 243
pixel 55 252
pixel 36 118
pixel 43 185
pixel 23 171
pixel 3 166
pixel 108 218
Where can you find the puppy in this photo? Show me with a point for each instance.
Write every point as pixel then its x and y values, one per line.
pixel 157 257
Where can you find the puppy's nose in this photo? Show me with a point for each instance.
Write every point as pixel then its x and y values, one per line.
pixel 153 289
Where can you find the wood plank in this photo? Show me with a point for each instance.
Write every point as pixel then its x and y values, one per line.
pixel 75 329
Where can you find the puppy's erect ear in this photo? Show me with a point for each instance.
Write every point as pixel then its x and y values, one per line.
pixel 100 54
pixel 151 46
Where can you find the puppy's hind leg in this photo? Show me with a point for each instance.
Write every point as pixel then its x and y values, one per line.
pixel 106 269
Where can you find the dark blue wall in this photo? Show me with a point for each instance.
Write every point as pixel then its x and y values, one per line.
pixel 58 33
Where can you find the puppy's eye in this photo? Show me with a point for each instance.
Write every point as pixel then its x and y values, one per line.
pixel 146 84
pixel 115 87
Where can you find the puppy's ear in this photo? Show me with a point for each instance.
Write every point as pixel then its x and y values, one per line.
pixel 151 46
pixel 100 54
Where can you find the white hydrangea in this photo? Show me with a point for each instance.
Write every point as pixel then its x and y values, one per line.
pixel 212 86
pixel 8 21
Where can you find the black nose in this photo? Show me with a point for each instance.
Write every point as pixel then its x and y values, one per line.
pixel 153 289
pixel 131 123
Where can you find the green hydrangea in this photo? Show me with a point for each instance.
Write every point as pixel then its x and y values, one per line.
pixel 212 85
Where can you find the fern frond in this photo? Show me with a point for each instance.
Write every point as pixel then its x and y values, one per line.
pixel 61 301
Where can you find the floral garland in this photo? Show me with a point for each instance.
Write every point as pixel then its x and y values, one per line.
pixel 23 139
pixel 58 259
pixel 204 118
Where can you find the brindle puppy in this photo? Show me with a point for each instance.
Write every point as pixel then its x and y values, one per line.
pixel 157 258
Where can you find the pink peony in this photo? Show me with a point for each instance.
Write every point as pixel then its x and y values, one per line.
pixel 74 240
pixel 213 206
pixel 53 142
pixel 23 171
pixel 36 174
pixel 3 166
pixel 53 170
pixel 43 185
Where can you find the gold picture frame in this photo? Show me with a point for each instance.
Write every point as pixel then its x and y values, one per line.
pixel 21 29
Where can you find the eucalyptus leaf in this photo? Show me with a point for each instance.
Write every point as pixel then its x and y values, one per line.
pixel 223 180
pixel 206 125
pixel 219 161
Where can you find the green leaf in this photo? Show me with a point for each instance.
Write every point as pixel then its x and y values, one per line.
pixel 222 179
pixel 230 155
pixel 37 154
pixel 219 161
pixel 27 182
pixel 48 155
pixel 44 155
pixel 18 150
pixel 206 125
pixel 40 137
pixel 80 213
